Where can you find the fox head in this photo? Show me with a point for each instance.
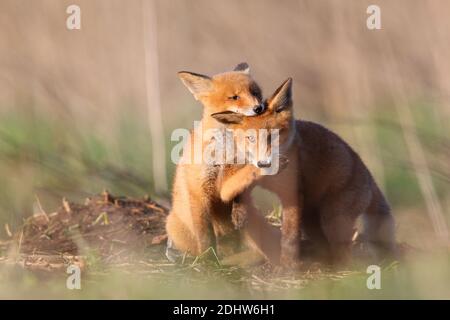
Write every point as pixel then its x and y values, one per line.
pixel 264 138
pixel 233 91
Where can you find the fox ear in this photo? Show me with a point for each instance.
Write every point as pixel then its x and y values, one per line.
pixel 242 67
pixel 198 84
pixel 227 117
pixel 282 98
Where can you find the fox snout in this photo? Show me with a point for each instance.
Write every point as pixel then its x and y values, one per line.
pixel 250 110
pixel 258 109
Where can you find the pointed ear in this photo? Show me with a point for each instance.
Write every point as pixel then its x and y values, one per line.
pixel 227 117
pixel 242 67
pixel 282 98
pixel 198 84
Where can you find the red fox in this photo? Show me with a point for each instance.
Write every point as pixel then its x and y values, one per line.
pixel 323 189
pixel 198 216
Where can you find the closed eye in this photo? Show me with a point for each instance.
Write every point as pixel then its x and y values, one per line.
pixel 235 97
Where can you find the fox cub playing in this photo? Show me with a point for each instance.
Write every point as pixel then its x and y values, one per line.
pixel 199 216
pixel 323 189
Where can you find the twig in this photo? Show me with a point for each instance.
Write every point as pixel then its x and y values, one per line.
pixel 42 211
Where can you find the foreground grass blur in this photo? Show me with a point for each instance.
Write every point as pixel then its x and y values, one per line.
pixel 424 277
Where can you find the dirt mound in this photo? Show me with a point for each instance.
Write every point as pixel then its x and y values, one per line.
pixel 111 230
pixel 104 223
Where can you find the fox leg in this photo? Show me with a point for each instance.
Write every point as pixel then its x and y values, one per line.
pixel 338 214
pixel 312 231
pixel 182 238
pixel 262 236
pixel 238 182
pixel 339 231
pixel 191 241
pixel 232 187
pixel 202 225
pixel 193 234
pixel 239 212
pixel 292 203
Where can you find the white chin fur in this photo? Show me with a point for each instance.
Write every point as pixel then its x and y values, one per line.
pixel 245 111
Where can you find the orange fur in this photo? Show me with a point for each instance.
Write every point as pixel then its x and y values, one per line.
pixel 199 216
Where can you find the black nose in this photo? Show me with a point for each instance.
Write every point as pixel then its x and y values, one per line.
pixel 263 164
pixel 258 109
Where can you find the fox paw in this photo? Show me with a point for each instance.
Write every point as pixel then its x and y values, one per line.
pixel 172 254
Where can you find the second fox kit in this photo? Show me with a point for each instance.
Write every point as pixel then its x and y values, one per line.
pixel 324 188
pixel 198 216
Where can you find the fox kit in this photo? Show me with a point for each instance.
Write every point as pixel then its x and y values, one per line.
pixel 198 216
pixel 323 189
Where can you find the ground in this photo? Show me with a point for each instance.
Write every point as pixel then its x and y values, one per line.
pixel 119 245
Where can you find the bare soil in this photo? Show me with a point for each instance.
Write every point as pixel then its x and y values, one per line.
pixel 108 228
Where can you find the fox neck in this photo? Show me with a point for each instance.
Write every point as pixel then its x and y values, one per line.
pixel 286 146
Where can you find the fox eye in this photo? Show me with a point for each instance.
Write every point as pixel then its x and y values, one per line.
pixel 251 139
pixel 235 97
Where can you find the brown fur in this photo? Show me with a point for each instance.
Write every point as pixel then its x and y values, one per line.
pixel 324 188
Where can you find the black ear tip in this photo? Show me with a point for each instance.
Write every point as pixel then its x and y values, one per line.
pixel 181 74
pixel 242 66
pixel 287 85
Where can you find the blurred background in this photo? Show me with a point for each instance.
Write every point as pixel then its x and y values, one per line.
pixel 92 109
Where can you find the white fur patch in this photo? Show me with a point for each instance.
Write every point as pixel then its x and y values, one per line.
pixel 246 111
